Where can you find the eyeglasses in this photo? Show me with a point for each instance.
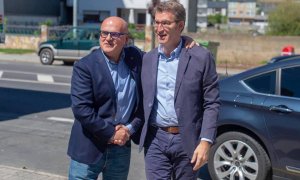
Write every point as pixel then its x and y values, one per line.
pixel 164 24
pixel 113 35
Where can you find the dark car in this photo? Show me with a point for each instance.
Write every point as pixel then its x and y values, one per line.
pixel 71 46
pixel 259 124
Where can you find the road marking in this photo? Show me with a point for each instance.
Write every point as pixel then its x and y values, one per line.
pixel 36 82
pixel 45 78
pixel 60 119
pixel 1 72
pixel 31 73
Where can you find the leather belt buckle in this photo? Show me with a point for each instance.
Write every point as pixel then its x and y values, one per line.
pixel 171 129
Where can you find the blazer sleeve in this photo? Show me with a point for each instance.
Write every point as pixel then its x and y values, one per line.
pixel 211 100
pixel 83 104
pixel 138 116
pixel 137 123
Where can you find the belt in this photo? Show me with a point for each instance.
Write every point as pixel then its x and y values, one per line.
pixel 171 129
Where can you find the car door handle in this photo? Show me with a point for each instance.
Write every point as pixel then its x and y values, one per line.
pixel 280 108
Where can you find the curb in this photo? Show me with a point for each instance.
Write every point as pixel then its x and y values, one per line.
pixel 12 173
pixel 31 57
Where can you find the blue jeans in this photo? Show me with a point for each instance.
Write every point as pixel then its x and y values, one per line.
pixel 114 165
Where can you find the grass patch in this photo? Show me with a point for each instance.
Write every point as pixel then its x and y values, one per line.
pixel 264 62
pixel 17 51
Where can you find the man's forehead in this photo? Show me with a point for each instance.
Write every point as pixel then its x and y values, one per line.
pixel 166 15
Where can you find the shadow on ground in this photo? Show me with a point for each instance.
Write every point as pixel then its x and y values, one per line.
pixel 17 102
pixel 203 173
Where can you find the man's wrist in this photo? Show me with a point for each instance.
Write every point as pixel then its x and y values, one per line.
pixel 207 140
pixel 130 129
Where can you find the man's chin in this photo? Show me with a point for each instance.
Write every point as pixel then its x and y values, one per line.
pixel 162 41
pixel 107 49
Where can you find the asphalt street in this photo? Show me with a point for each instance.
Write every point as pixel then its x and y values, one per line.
pixel 36 119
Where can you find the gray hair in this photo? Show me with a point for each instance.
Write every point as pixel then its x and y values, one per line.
pixel 172 6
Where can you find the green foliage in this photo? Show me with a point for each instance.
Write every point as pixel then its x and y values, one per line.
pixel 47 22
pixel 134 33
pixel 285 19
pixel 216 19
pixel 17 51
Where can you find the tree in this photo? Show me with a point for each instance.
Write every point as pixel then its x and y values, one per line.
pixel 285 19
pixel 216 19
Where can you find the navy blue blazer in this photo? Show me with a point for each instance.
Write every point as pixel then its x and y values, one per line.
pixel 196 95
pixel 94 104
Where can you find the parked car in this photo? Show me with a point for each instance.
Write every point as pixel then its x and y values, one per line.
pixel 259 124
pixel 71 46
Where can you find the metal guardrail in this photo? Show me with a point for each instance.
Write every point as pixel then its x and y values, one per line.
pixel 22 29
pixel 53 31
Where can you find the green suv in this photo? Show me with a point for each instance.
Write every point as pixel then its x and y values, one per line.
pixel 71 46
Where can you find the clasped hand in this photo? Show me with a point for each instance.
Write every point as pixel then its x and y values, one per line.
pixel 121 135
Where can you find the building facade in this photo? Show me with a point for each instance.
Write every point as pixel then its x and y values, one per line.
pixel 35 12
pixel 241 11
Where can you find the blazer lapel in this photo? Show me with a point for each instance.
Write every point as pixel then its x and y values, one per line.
pixel 184 59
pixel 153 73
pixel 132 65
pixel 106 73
pixel 130 62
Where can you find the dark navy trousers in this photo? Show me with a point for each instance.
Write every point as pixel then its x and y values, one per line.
pixel 165 158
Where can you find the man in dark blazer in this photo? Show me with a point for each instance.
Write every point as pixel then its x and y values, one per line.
pixel 181 100
pixel 106 102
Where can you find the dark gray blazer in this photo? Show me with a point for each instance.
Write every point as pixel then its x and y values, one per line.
pixel 196 95
pixel 94 104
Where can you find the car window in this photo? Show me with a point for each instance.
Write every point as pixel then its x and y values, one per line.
pixel 88 35
pixel 263 83
pixel 290 85
pixel 74 34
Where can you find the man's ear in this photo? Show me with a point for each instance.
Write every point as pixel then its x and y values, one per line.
pixel 126 39
pixel 181 25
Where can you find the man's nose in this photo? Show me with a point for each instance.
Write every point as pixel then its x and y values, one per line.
pixel 108 37
pixel 159 28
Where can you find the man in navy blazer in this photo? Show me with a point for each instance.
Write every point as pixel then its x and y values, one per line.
pixel 106 102
pixel 181 100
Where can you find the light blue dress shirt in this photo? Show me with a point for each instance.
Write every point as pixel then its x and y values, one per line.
pixel 163 114
pixel 125 90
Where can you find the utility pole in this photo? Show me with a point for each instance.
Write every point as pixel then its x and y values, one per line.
pixel 74 13
pixel 2 22
pixel 151 11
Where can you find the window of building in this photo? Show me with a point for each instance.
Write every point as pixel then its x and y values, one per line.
pixel 290 85
pixel 103 15
pixel 95 16
pixel 264 83
pixel 141 18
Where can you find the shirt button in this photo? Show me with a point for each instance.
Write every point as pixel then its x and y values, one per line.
pixel 150 105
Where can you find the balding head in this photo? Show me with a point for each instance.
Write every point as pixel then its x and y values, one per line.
pixel 116 22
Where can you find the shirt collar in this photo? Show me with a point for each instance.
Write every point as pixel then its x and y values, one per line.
pixel 113 62
pixel 174 54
